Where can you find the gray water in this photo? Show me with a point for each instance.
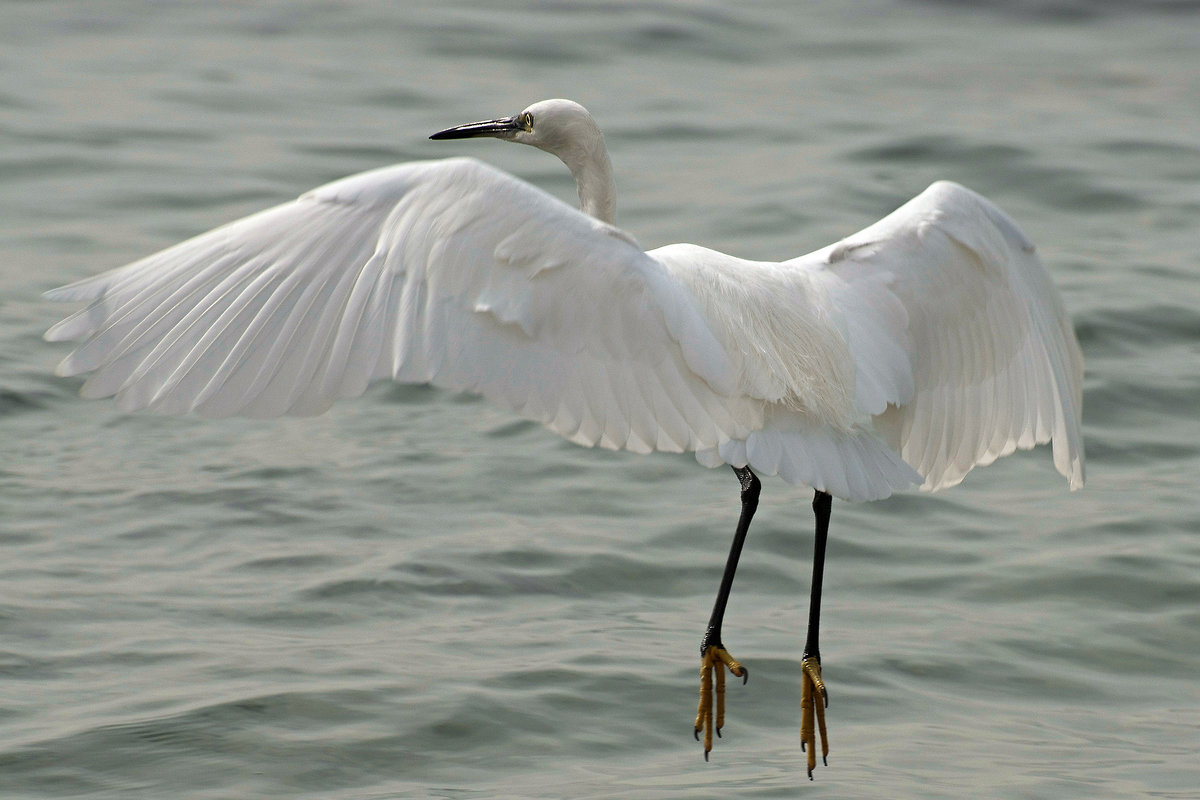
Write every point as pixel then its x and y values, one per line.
pixel 416 595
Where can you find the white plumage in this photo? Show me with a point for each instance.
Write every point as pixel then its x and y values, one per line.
pixel 904 355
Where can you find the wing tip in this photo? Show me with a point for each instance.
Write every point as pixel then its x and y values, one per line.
pixel 1077 477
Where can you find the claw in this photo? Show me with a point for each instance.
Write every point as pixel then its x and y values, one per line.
pixel 810 685
pixel 710 715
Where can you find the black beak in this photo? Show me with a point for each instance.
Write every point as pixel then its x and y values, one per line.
pixel 491 127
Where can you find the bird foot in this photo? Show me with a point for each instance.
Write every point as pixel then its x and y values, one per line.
pixel 811 686
pixel 713 663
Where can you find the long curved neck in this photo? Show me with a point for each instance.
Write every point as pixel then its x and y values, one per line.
pixel 594 179
pixel 586 156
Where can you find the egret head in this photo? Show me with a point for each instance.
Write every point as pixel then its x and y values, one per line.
pixel 565 129
pixel 555 126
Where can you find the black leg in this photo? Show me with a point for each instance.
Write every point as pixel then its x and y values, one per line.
pixel 750 490
pixel 822 503
pixel 812 684
pixel 714 658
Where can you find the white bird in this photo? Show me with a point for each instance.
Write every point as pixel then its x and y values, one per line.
pixel 904 355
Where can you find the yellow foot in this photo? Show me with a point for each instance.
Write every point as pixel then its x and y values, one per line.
pixel 811 687
pixel 712 671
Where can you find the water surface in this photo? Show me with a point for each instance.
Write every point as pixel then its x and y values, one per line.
pixel 416 595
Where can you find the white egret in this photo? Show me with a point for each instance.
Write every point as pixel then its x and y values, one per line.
pixel 904 355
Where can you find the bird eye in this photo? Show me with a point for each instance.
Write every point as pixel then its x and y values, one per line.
pixel 526 121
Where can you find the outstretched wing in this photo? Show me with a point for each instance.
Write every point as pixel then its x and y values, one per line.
pixel 962 347
pixel 448 272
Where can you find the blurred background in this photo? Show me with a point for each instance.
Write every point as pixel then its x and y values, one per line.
pixel 418 595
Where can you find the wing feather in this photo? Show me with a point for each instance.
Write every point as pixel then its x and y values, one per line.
pixel 993 358
pixel 961 349
pixel 446 272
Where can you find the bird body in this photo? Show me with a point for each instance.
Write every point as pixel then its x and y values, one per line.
pixel 904 355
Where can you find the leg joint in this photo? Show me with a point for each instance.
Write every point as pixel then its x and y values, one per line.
pixel 750 484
